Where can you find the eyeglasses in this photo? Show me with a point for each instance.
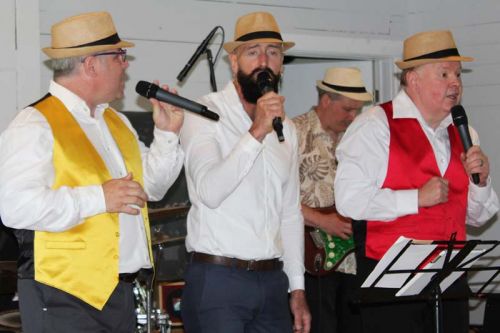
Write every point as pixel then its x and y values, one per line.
pixel 121 52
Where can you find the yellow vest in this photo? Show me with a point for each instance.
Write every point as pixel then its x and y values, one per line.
pixel 84 260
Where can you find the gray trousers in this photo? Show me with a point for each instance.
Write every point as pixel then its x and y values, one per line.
pixel 45 309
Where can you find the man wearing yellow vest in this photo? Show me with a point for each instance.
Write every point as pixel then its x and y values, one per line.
pixel 74 181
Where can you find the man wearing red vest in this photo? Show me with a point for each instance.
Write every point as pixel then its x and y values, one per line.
pixel 74 181
pixel 402 172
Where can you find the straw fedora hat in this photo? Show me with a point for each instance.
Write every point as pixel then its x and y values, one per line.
pixel 84 34
pixel 429 47
pixel 346 81
pixel 256 27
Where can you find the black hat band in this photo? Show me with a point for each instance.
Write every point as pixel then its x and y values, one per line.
pixel 345 89
pixel 259 35
pixel 437 55
pixel 111 40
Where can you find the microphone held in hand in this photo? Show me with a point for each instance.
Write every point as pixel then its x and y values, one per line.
pixel 462 125
pixel 199 51
pixel 265 84
pixel 151 90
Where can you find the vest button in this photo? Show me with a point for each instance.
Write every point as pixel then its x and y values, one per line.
pixel 115 257
pixel 117 234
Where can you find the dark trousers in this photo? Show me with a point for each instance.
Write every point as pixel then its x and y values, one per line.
pixel 45 309
pixel 220 299
pixel 330 300
pixel 391 315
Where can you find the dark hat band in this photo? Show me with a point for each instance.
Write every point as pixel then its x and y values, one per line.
pixel 259 35
pixel 437 55
pixel 345 89
pixel 111 40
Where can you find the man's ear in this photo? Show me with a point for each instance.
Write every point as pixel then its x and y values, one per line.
pixel 89 66
pixel 324 100
pixel 233 60
pixel 412 78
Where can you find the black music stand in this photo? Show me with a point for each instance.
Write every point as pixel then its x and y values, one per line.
pixel 405 268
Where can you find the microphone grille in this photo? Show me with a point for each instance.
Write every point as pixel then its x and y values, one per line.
pixel 146 89
pixel 458 115
pixel 264 82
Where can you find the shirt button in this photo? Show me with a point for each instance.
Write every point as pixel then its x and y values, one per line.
pixel 117 234
pixel 115 257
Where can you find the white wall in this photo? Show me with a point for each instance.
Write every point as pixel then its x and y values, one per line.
pixel 19 56
pixel 8 73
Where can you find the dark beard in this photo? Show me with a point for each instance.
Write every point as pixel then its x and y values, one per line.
pixel 248 83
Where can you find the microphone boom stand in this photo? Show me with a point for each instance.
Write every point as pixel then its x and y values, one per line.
pixel 213 83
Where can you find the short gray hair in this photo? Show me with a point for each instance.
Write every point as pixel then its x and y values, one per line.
pixel 65 66
pixel 333 96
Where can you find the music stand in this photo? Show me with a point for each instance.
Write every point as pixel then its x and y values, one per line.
pixel 422 270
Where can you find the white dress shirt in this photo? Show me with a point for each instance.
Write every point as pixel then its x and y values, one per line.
pixel 363 157
pixel 27 173
pixel 244 194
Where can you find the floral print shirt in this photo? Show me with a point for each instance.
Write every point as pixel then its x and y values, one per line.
pixel 317 168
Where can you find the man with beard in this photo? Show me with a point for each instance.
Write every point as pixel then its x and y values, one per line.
pixel 341 95
pixel 74 181
pixel 403 172
pixel 245 231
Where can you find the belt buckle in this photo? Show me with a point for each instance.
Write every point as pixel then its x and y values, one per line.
pixel 251 265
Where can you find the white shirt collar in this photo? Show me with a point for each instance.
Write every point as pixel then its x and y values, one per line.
pixel 72 101
pixel 403 107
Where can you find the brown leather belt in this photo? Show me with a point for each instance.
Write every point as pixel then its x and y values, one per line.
pixel 249 265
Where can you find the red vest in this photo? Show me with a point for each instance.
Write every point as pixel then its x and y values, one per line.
pixel 411 164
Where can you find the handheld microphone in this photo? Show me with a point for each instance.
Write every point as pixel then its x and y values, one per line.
pixel 151 90
pixel 265 84
pixel 462 125
pixel 201 48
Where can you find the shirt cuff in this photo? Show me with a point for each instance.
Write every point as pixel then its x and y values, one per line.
pixel 250 144
pixel 296 282
pixel 406 202
pixel 91 201
pixel 165 141
pixel 478 193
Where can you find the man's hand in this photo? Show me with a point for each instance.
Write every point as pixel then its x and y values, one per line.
pixel 300 311
pixel 121 193
pixel 269 106
pixel 475 161
pixel 166 116
pixel 330 222
pixel 337 225
pixel 434 192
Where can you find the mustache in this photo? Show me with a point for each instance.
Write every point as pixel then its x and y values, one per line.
pixel 257 71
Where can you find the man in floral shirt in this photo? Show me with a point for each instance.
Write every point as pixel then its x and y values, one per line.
pixel 341 95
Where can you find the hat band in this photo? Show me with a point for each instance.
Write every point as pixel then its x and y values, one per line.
pixel 259 35
pixel 110 40
pixel 437 55
pixel 345 89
